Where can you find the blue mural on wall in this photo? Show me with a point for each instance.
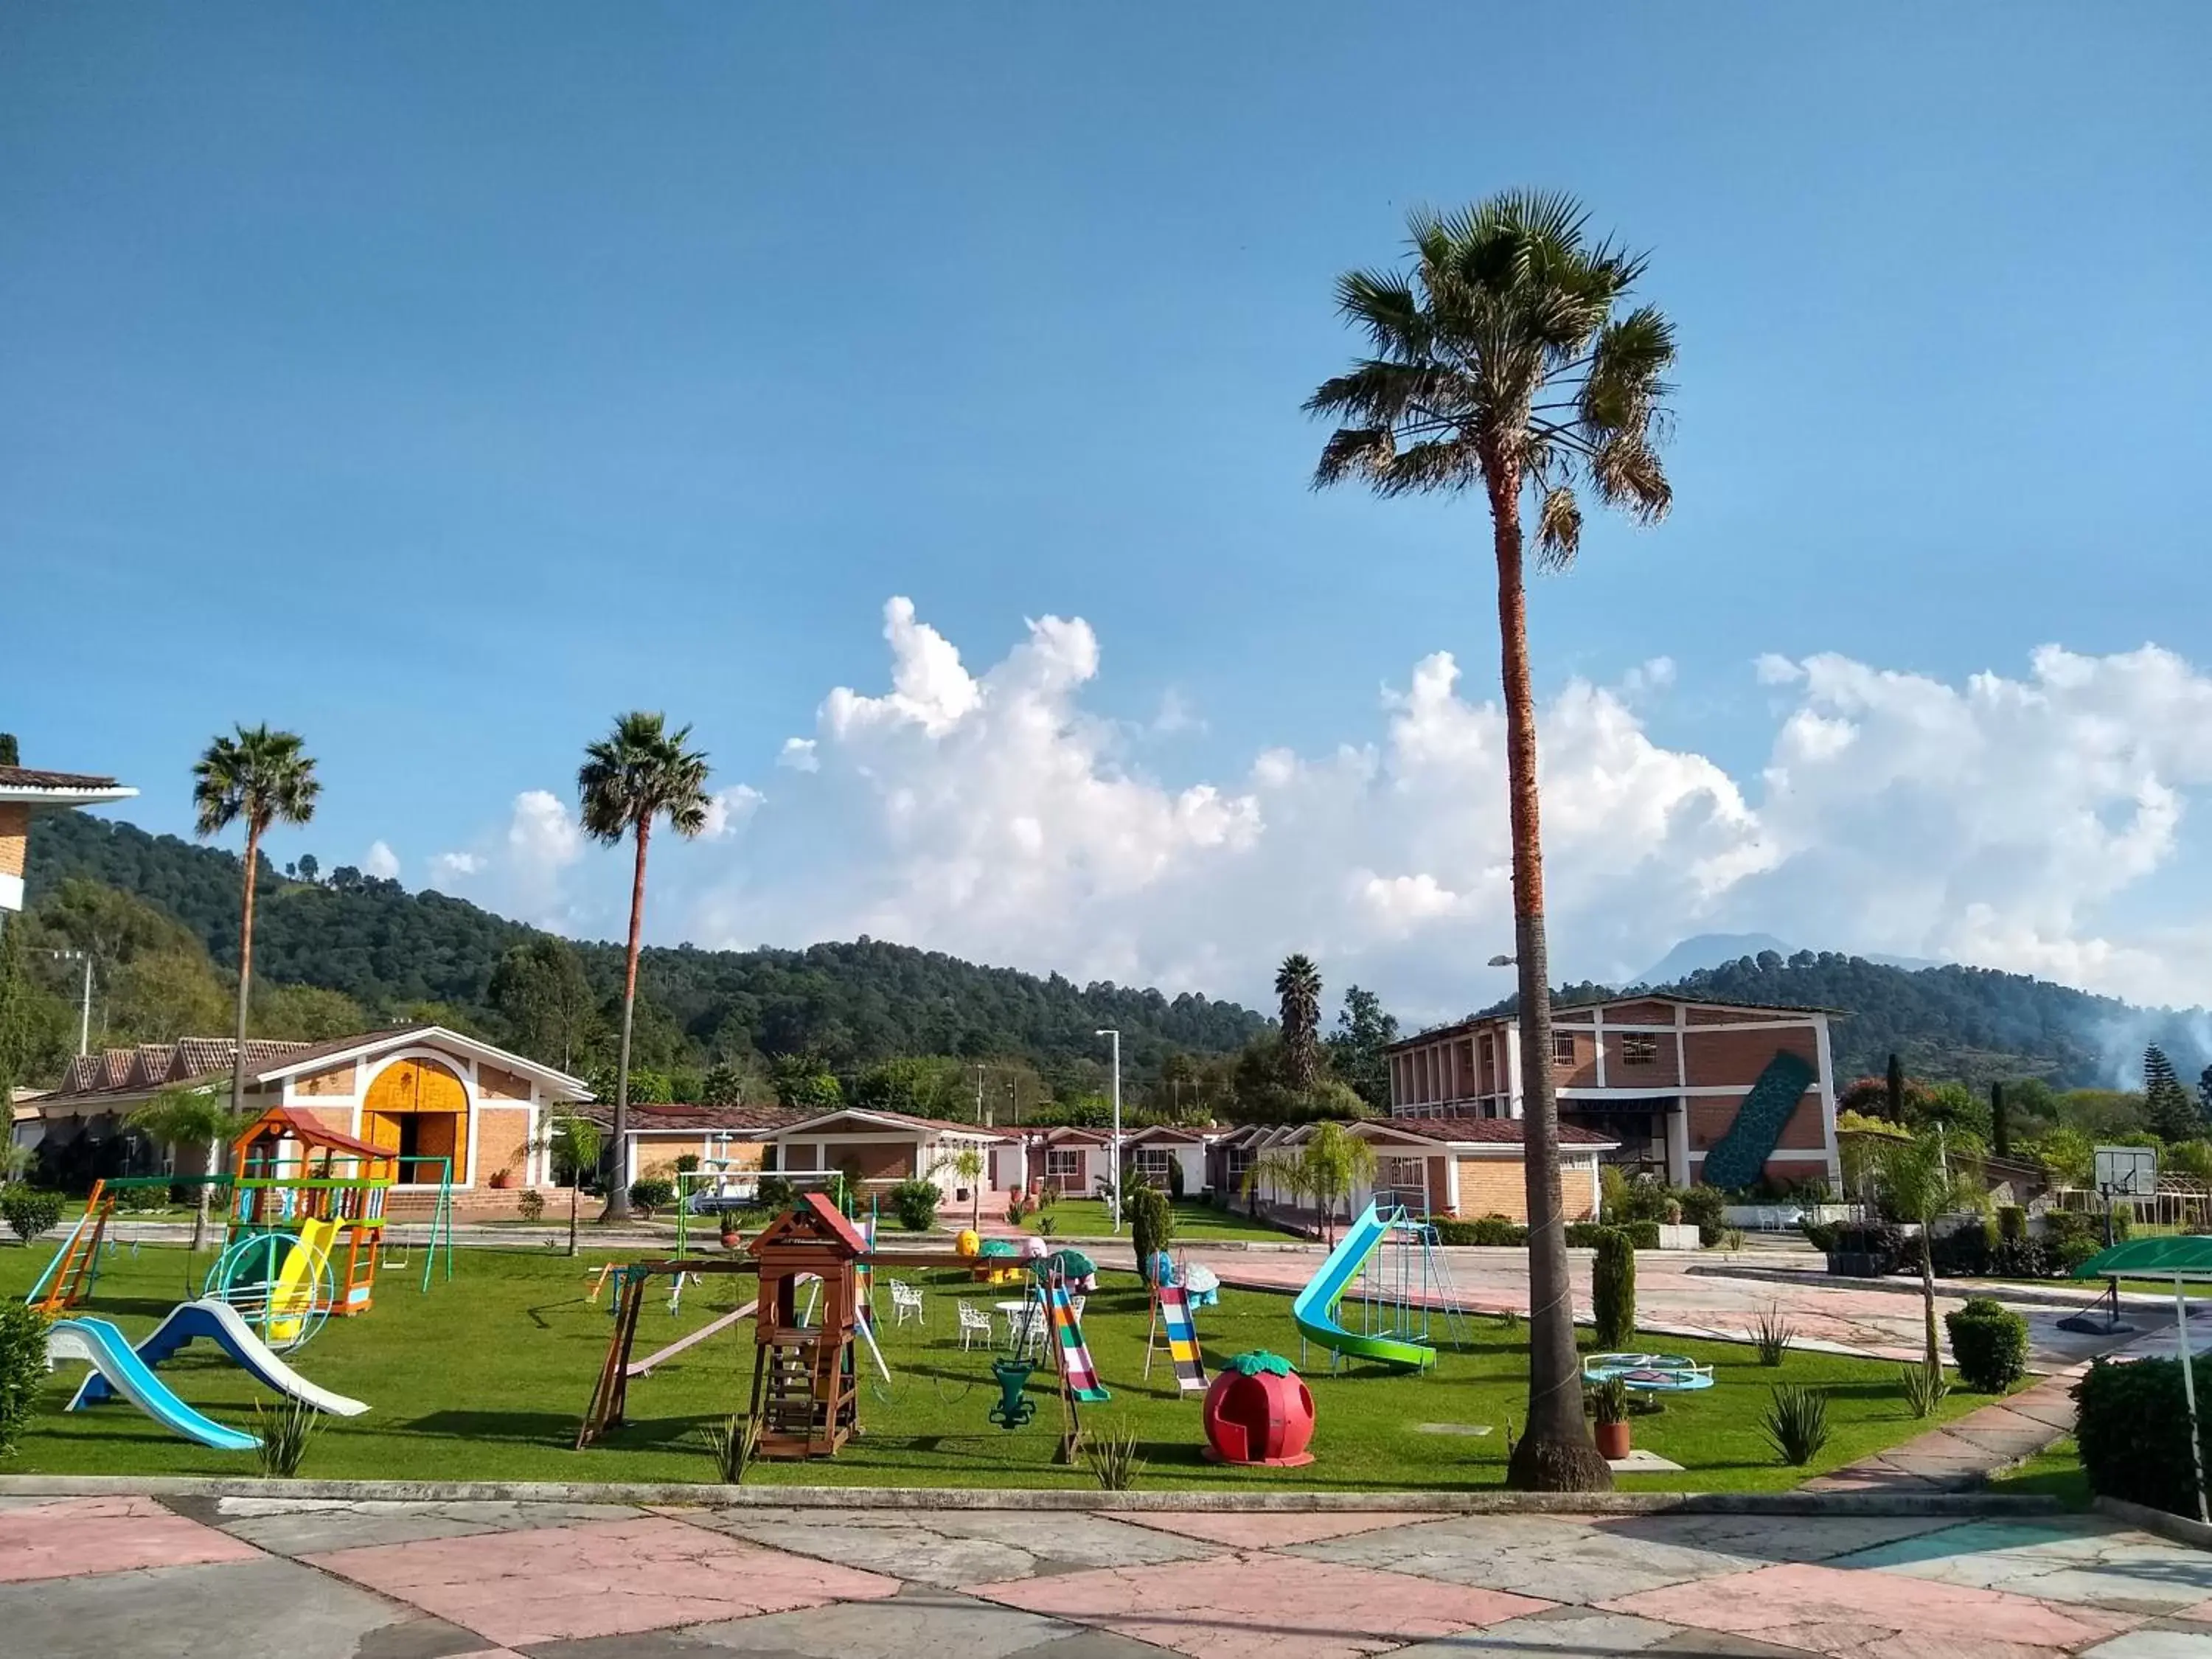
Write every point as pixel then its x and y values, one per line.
pixel 1739 1158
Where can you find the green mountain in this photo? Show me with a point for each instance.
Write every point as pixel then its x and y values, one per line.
pixel 850 1004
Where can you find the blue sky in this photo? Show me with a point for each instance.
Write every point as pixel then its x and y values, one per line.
pixel 438 380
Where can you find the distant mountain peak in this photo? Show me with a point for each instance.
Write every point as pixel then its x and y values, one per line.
pixel 1709 950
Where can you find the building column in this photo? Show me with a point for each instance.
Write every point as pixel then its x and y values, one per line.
pixel 1828 1105
pixel 1678 1143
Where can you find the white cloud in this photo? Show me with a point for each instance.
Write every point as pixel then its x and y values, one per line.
pixel 381 862
pixel 728 809
pixel 2025 822
pixel 454 868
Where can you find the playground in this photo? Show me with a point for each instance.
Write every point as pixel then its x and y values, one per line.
pixel 487 1375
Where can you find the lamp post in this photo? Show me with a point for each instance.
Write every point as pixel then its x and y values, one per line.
pixel 1114 1145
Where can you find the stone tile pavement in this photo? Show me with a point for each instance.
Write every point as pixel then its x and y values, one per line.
pixel 258 1577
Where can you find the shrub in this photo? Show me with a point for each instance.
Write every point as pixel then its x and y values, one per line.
pixel 1613 1284
pixel 774 1191
pixel 530 1204
pixel 1967 1251
pixel 651 1193
pixel 1797 1422
pixel 1018 1211
pixel 1591 1235
pixel 1925 1387
pixel 1702 1207
pixel 29 1212
pixel 1113 1459
pixel 2021 1258
pixel 1151 1227
pixel 2072 1253
pixel 1989 1344
pixel 686 1163
pixel 134 1201
pixel 285 1431
pixel 1773 1334
pixel 915 1204
pixel 1820 1235
pixel 1175 1178
pixel 22 1367
pixel 1492 1230
pixel 1879 1240
pixel 2132 1427
pixel 2012 1223
pixel 734 1443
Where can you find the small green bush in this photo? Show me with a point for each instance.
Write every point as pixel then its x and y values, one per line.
pixel 1923 1387
pixel 1591 1235
pixel 1491 1229
pixel 651 1193
pixel 29 1212
pixel 22 1367
pixel 774 1191
pixel 2131 1425
pixel 1797 1422
pixel 915 1203
pixel 285 1431
pixel 2012 1223
pixel 1989 1344
pixel 530 1204
pixel 1151 1227
pixel 1613 1284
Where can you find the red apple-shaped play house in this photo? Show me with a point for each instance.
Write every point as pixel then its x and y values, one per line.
pixel 1258 1411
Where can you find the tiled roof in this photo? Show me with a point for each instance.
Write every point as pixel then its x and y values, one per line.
pixel 703 1120
pixel 156 1065
pixel 1484 1131
pixel 906 1118
pixel 25 777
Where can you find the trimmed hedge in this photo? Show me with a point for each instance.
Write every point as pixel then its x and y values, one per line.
pixel 1496 1231
pixel 1989 1343
pixel 2131 1424
pixel 1613 1288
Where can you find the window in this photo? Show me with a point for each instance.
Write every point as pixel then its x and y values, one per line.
pixel 1563 1047
pixel 1151 1163
pixel 1236 1165
pixel 1402 1175
pixel 1637 1050
pixel 1064 1165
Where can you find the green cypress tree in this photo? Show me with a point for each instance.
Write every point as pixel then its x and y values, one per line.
pixel 1612 1289
pixel 2000 1132
pixel 2172 1116
pixel 1893 1090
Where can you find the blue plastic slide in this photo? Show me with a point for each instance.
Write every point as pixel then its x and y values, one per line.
pixel 1315 1310
pixel 219 1323
pixel 104 1348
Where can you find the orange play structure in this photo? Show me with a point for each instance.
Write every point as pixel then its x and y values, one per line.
pixel 294 1174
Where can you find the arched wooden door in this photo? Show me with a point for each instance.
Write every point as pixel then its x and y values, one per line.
pixel 419 1109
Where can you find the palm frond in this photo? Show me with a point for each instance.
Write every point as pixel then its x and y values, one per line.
pixel 1628 475
pixel 1443 464
pixel 1353 451
pixel 1558 528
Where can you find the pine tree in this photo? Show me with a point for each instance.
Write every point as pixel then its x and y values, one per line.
pixel 2166 1103
pixel 2000 1133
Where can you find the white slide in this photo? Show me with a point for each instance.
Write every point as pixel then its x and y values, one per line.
pixel 221 1325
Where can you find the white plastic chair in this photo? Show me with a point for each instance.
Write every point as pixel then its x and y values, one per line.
pixel 906 1300
pixel 974 1322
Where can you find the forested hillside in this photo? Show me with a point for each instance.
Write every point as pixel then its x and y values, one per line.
pixel 394 953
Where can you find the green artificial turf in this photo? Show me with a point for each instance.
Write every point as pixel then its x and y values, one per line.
pixel 1195 1222
pixel 486 1377
pixel 2055 1472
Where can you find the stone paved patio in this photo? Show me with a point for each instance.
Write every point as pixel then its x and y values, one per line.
pixel 246 1578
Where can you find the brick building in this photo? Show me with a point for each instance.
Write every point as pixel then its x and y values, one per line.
pixel 1670 1081
pixel 24 791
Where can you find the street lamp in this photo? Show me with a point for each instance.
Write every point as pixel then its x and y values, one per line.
pixel 1115 1153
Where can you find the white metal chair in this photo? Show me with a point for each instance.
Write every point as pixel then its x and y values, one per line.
pixel 974 1322
pixel 906 1302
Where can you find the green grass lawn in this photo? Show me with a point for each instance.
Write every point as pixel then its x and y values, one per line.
pixel 2055 1472
pixel 486 1377
pixel 1195 1222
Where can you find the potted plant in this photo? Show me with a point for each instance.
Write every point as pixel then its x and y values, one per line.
pixel 729 1231
pixel 1609 1408
pixel 502 1178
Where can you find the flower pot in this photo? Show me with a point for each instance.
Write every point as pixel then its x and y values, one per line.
pixel 729 1240
pixel 501 1180
pixel 1612 1441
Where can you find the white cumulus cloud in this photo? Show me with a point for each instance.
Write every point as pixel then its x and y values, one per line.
pixel 381 862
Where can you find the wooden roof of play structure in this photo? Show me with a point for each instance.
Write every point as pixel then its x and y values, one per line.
pixel 814 1219
pixel 279 1123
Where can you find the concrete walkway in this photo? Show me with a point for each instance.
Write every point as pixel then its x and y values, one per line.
pixel 304 1579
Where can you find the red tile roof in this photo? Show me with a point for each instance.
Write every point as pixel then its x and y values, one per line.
pixel 703 1120
pixel 25 777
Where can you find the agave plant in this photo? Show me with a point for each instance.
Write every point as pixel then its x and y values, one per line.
pixel 1797 1422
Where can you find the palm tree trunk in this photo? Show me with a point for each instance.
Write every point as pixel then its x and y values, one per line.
pixel 1934 1360
pixel 245 972
pixel 619 1187
pixel 575 1186
pixel 1555 1452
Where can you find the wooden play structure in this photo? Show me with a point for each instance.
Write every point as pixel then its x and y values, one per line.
pixel 295 1174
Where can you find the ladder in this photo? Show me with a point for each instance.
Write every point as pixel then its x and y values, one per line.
pixel 70 1278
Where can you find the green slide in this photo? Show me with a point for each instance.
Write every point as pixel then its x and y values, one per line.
pixel 1315 1310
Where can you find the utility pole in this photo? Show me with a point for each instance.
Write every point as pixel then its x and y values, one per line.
pixel 982 1112
pixel 1115 1145
pixel 84 1012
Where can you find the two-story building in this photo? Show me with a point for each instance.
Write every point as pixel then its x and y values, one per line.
pixel 1671 1082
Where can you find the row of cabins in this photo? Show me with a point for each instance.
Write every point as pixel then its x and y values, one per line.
pixel 1653 1082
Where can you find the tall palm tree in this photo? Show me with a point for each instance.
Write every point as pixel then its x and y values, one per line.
pixel 639 772
pixel 262 777
pixel 1297 983
pixel 1499 363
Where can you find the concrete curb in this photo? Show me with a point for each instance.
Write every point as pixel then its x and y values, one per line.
pixel 2178 1528
pixel 679 1494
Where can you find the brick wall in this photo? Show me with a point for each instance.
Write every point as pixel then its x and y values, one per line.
pixel 1659 1074
pixel 1582 1074
pixel 14 835
pixel 1710 1117
pixel 1498 1185
pixel 503 1142
pixel 1737 1058
pixel 339 1080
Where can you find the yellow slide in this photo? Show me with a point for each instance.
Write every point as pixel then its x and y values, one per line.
pixel 294 1293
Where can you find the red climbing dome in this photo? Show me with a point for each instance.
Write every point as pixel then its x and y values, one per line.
pixel 1258 1411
